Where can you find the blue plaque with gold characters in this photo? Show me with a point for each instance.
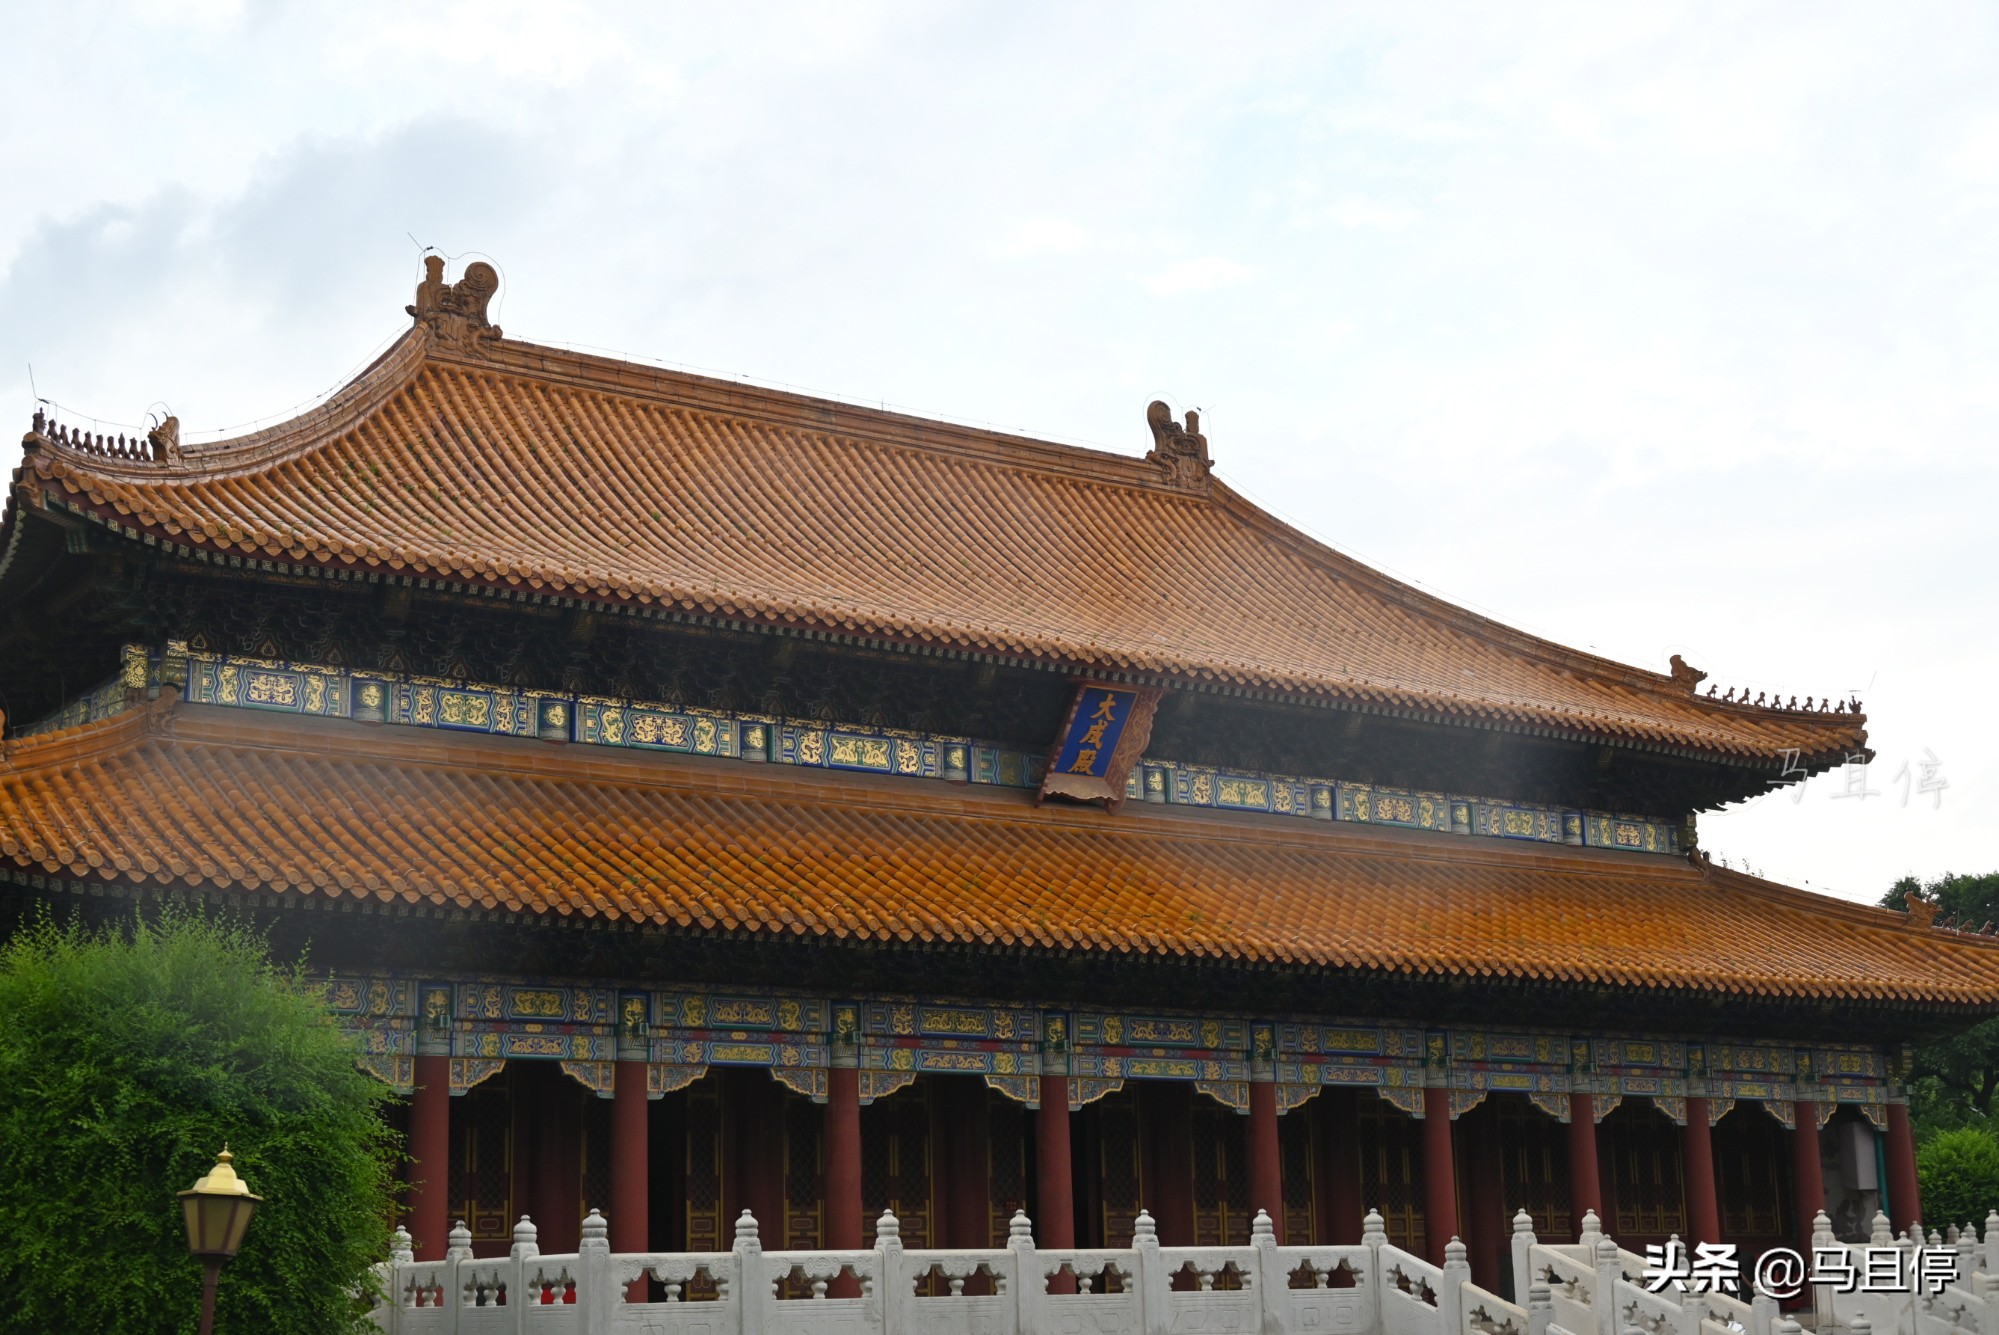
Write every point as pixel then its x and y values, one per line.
pixel 1104 735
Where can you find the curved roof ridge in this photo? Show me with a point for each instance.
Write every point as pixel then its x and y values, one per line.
pixel 464 455
pixel 90 739
pixel 315 428
pixel 806 411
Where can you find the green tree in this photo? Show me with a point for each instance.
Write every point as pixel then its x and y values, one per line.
pixel 1958 1174
pixel 128 1056
pixel 1956 1079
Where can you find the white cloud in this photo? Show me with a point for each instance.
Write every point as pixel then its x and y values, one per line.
pixel 1044 236
pixel 1200 275
pixel 1648 328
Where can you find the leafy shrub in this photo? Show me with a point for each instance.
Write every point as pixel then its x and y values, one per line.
pixel 1958 1174
pixel 128 1055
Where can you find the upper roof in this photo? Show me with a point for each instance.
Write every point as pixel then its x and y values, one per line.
pixel 279 805
pixel 464 456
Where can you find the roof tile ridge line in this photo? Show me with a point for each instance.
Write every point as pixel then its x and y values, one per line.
pixel 1871 915
pixel 1552 652
pixel 343 410
pixel 808 413
pixel 22 496
pixel 87 741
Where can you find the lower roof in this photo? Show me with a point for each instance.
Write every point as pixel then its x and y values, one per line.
pixel 269 805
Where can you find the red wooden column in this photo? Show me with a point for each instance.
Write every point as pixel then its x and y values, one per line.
pixel 844 1209
pixel 631 1172
pixel 631 1141
pixel 1440 1174
pixel 843 1159
pixel 1055 1226
pixel 1585 1184
pixel 1055 1185
pixel 1697 1161
pixel 1904 1195
pixel 1266 1171
pixel 430 1156
pixel 1807 1177
pixel 430 1124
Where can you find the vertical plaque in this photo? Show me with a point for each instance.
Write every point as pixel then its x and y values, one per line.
pixel 1104 734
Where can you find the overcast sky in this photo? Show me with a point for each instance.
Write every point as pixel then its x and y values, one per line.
pixel 1650 329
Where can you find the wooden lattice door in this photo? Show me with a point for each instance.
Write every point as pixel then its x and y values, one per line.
pixel 1119 1191
pixel 1752 1176
pixel 482 1159
pixel 1221 1177
pixel 1007 1126
pixel 1533 1167
pixel 804 1174
pixel 895 1162
pixel 1295 1141
pixel 1391 1171
pixel 1645 1174
pixel 703 1178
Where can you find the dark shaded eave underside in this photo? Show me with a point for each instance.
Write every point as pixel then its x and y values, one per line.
pixel 1382 702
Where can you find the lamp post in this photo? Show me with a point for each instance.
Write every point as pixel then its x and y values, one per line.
pixel 218 1209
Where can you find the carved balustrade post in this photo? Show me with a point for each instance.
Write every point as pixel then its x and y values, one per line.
pixel 1451 1291
pixel 1540 1308
pixel 894 1288
pixel 1822 1294
pixel 1523 1252
pixel 1027 1286
pixel 598 1293
pixel 1763 1311
pixel 1604 1295
pixel 755 1290
pixel 1981 1284
pixel 1273 1285
pixel 1374 1236
pixel 457 1255
pixel 1149 1277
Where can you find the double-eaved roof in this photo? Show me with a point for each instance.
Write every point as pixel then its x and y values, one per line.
pixel 502 464
pixel 465 459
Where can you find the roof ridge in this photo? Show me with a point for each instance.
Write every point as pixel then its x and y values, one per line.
pixel 1872 915
pixel 452 349
pixel 816 413
pixel 92 738
pixel 234 456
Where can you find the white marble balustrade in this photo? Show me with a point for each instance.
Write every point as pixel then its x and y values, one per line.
pixel 1589 1287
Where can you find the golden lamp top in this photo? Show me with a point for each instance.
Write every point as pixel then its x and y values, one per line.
pixel 221 1180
